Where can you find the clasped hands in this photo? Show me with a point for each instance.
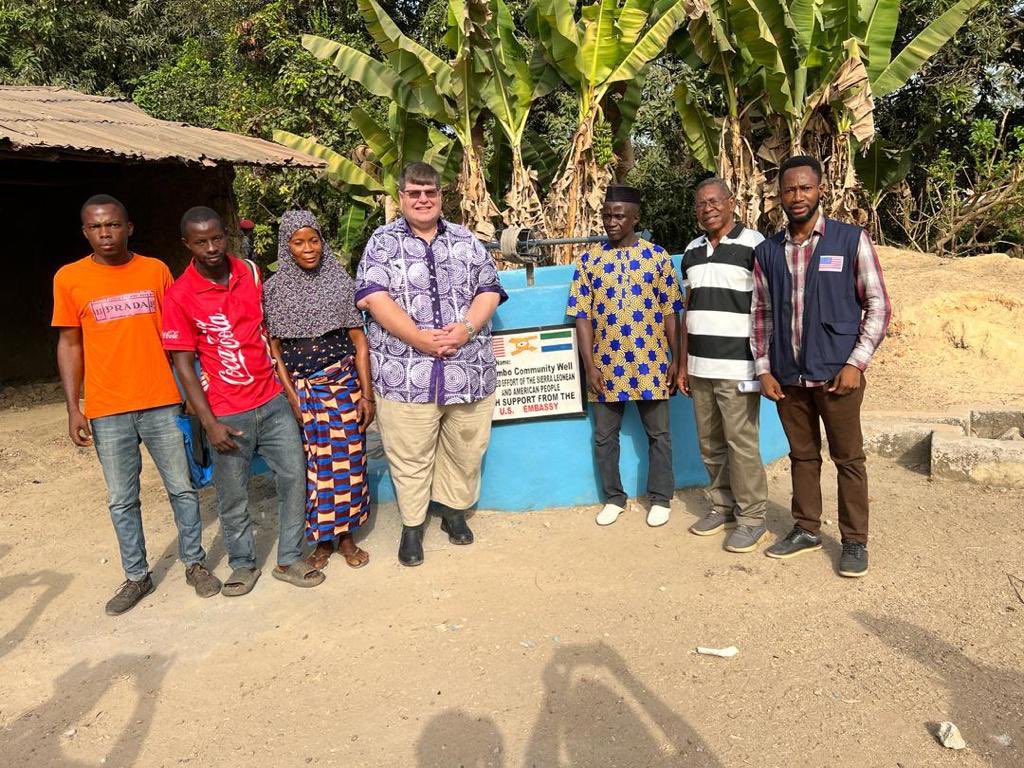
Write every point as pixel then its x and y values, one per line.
pixel 442 342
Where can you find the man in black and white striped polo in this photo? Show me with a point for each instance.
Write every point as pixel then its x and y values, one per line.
pixel 717 368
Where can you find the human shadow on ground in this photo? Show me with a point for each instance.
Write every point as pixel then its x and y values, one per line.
pixel 52 584
pixel 264 515
pixel 456 739
pixel 987 704
pixel 595 713
pixel 37 737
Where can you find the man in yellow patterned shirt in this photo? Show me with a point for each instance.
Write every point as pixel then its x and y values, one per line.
pixel 625 297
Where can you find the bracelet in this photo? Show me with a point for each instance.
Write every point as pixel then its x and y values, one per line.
pixel 470 328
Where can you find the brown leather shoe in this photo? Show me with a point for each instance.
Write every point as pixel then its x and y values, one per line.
pixel 205 583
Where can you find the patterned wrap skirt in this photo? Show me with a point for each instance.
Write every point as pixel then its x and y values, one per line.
pixel 337 494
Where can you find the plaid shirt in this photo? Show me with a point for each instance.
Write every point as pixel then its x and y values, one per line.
pixel 870 291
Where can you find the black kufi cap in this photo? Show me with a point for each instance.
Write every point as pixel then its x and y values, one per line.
pixel 619 193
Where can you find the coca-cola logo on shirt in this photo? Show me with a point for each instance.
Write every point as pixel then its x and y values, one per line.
pixel 220 335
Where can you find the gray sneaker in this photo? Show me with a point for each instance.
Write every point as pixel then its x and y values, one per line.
pixel 745 538
pixel 712 523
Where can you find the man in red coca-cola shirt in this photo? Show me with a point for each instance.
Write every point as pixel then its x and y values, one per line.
pixel 215 310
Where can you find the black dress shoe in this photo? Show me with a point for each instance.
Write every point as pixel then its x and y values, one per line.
pixel 410 550
pixel 797 542
pixel 454 524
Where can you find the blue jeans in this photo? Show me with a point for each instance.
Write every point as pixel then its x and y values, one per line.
pixel 117 440
pixel 271 431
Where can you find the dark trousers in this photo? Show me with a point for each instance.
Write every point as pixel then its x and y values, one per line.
pixel 660 478
pixel 799 412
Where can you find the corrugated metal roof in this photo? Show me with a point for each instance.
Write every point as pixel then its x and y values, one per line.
pixel 35 120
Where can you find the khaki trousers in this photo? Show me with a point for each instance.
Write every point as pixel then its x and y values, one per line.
pixel 434 453
pixel 800 412
pixel 727 425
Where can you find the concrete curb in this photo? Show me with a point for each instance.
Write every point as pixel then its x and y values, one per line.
pixel 978 460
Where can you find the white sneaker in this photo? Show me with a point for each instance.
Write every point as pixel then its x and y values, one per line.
pixel 609 514
pixel 658 515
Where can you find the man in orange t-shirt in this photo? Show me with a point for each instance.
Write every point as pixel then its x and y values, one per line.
pixel 108 309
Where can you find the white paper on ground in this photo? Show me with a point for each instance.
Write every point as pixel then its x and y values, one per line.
pixel 725 653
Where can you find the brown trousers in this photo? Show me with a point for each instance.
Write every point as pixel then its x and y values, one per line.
pixel 799 412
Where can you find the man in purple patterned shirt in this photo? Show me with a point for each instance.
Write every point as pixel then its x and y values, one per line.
pixel 430 289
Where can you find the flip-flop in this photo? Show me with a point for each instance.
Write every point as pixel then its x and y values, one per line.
pixel 299 574
pixel 356 559
pixel 240 582
pixel 313 559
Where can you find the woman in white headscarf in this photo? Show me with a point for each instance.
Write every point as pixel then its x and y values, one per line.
pixel 323 360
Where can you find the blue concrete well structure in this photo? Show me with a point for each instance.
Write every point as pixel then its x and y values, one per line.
pixel 550 462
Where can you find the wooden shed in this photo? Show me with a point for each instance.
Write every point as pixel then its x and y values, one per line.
pixel 58 147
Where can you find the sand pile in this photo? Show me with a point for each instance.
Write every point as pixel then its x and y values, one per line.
pixel 957 334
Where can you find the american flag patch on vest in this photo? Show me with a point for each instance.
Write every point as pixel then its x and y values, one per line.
pixel 830 264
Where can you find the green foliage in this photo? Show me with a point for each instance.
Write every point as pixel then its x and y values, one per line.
pixel 536 64
pixel 973 204
pixel 251 75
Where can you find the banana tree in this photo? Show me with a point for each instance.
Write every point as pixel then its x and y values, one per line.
pixel 419 82
pixel 606 49
pixel 511 83
pixel 800 77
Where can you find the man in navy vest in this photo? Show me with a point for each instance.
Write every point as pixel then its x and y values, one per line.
pixel 820 310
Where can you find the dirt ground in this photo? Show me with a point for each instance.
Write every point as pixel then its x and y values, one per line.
pixel 550 642
pixel 956 336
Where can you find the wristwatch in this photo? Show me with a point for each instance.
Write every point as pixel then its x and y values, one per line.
pixel 470 328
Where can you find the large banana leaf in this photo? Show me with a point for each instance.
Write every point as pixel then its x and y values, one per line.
pixel 759 25
pixel 599 48
pixel 552 24
pixel 651 45
pixel 377 138
pixel 373 75
pixel 445 154
pixel 632 19
pixel 377 77
pixel 701 130
pixel 540 156
pixel 803 17
pixel 879 34
pixel 628 105
pixel 393 42
pixel 410 136
pixel 921 48
pixel 882 166
pixel 351 228
pixel 511 91
pixel 710 39
pixel 499 166
pixel 340 169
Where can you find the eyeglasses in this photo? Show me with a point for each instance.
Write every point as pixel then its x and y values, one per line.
pixel 711 203
pixel 416 194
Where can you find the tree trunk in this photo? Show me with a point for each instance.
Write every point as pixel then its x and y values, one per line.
pixel 478 209
pixel 574 204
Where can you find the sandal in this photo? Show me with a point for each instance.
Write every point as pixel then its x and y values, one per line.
pixel 299 574
pixel 240 582
pixel 320 557
pixel 356 559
